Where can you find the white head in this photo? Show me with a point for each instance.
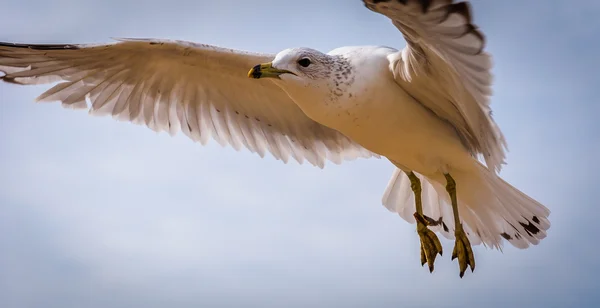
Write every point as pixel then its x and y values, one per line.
pixel 296 64
pixel 306 74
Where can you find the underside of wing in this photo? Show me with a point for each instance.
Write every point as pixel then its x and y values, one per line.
pixel 444 66
pixel 202 90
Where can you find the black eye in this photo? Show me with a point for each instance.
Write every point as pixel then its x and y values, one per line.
pixel 304 62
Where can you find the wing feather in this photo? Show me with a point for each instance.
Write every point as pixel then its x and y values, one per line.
pixel 169 86
pixel 445 49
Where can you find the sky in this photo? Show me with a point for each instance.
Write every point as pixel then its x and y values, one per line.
pixel 100 213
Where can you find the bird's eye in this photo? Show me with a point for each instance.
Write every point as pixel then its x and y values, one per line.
pixel 304 62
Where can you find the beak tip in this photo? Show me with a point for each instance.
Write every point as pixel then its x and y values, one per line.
pixel 255 72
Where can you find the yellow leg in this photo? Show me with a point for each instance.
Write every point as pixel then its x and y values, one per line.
pixel 430 244
pixel 462 247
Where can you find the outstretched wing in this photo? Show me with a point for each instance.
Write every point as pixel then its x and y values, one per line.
pixel 445 68
pixel 201 90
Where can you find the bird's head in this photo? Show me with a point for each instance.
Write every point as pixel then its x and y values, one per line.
pixel 300 66
pixel 310 77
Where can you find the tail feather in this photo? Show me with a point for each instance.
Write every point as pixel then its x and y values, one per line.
pixel 491 210
pixel 398 196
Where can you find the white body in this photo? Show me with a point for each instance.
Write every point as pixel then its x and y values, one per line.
pixel 375 112
pixel 383 118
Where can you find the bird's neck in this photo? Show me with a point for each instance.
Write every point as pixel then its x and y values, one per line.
pixel 321 101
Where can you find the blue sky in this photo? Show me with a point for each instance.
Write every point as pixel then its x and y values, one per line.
pixel 99 213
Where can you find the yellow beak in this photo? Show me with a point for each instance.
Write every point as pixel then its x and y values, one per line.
pixel 266 70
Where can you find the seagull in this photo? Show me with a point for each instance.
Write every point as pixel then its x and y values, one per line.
pixel 425 108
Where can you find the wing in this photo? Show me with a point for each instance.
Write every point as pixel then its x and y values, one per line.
pixel 446 69
pixel 201 90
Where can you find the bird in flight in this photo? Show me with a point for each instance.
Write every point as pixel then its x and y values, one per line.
pixel 425 108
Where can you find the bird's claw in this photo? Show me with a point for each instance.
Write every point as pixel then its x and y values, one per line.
pixel 463 251
pixel 430 244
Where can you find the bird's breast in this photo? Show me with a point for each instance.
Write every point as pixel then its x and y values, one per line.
pixel 391 123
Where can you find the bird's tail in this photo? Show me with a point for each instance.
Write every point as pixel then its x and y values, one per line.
pixel 490 208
